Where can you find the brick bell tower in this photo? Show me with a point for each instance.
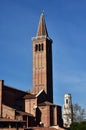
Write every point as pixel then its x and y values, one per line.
pixel 42 61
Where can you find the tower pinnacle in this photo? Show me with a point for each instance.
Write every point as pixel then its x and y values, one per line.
pixel 42 29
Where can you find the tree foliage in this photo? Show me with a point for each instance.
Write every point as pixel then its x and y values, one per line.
pixel 78 113
pixel 78 118
pixel 78 126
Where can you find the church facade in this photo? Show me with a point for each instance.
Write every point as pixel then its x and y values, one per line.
pixel 21 109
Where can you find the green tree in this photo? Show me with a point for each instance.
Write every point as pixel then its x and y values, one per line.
pixel 82 126
pixel 74 126
pixel 78 126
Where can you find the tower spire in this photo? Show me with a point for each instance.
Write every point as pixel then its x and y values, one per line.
pixel 42 29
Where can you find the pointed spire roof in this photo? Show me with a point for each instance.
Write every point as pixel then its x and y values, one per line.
pixel 42 30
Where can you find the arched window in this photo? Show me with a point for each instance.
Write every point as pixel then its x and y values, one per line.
pixel 66 101
pixel 36 47
pixel 39 47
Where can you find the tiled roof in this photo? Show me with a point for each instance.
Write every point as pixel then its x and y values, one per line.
pixel 41 128
pixel 9 120
pixel 24 113
pixel 46 103
pixel 29 96
pixel 9 87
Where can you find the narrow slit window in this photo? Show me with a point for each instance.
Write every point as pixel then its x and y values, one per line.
pixel 36 47
pixel 66 101
pixel 39 47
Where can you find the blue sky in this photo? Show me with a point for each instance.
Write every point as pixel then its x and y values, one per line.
pixel 66 24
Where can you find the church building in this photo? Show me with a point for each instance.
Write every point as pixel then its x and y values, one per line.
pixel 21 109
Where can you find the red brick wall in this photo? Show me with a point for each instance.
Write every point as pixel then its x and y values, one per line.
pixel 45 115
pixel 39 67
pixel 8 112
pixel 42 67
pixel 50 115
pixel 30 105
pixel 55 115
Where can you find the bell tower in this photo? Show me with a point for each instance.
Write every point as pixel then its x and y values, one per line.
pixel 42 61
pixel 68 110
